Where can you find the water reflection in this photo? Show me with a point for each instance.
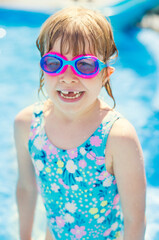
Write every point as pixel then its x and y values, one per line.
pixel 2 32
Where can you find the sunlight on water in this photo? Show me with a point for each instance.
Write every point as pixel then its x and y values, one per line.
pixel 2 32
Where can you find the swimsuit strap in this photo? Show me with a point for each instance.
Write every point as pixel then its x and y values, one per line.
pixel 38 109
pixel 107 125
pixel 37 118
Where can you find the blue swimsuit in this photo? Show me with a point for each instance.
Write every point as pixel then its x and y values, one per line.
pixel 80 197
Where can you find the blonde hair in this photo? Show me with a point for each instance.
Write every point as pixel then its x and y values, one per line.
pixel 75 27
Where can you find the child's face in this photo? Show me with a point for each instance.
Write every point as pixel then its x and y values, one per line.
pixel 69 92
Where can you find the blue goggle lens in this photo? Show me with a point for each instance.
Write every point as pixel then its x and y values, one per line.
pixel 50 64
pixel 87 66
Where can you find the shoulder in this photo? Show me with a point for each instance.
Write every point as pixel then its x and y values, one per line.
pixel 123 130
pixel 124 140
pixel 24 116
pixel 22 123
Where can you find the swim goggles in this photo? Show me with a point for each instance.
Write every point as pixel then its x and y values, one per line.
pixel 85 66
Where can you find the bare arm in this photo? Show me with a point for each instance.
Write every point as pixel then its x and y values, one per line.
pixel 128 168
pixel 26 185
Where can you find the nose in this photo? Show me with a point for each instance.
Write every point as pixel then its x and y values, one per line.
pixel 68 76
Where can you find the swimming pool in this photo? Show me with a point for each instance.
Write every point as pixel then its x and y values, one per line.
pixel 135 86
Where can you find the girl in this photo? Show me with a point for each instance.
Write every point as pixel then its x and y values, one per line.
pixel 86 157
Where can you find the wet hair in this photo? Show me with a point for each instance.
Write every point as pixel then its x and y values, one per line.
pixel 75 27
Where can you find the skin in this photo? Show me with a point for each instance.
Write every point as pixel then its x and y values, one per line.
pixel 69 81
pixel 124 157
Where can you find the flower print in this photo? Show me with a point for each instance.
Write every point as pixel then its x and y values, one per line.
pixel 114 226
pixel 60 222
pixel 107 232
pixel 82 150
pixel 39 142
pixel 39 165
pixel 82 163
pixel 32 134
pixel 91 155
pixel 66 186
pixel 100 161
pixel 47 169
pixel 71 207
pixel 102 210
pixel 96 216
pixel 53 149
pixel 68 218
pixel 117 208
pixel 60 163
pixel 114 182
pixel 93 210
pixel 35 125
pixel 58 234
pixel 52 220
pixel 59 170
pixel 55 187
pixel 62 183
pixel 108 181
pixel 94 200
pixel 71 167
pixel 79 179
pixel 117 234
pixel 104 203
pixel 100 220
pixel 37 171
pixel 118 213
pixel 49 148
pixel 107 212
pixel 39 128
pixel 74 187
pixel 78 231
pixel 95 141
pixel 72 153
pixel 116 199
pixel 103 175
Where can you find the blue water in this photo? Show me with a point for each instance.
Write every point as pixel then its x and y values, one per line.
pixel 136 89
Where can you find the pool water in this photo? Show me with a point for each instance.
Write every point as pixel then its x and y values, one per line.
pixel 136 90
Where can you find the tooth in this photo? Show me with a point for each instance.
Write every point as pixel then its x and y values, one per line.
pixel 65 92
pixel 67 97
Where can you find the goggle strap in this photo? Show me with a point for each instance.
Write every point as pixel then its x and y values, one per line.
pixel 102 65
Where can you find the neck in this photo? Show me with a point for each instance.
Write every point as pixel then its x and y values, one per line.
pixel 75 116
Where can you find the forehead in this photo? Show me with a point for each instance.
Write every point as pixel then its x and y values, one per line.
pixel 66 49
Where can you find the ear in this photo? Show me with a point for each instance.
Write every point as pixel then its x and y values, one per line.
pixel 110 70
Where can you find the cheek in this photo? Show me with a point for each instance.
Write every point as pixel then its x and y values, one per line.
pixel 46 82
pixel 99 80
pixel 49 80
pixel 94 85
pixel 49 83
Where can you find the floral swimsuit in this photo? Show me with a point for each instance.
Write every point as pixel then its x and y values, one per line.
pixel 80 197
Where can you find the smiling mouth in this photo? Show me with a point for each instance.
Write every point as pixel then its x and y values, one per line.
pixel 70 94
